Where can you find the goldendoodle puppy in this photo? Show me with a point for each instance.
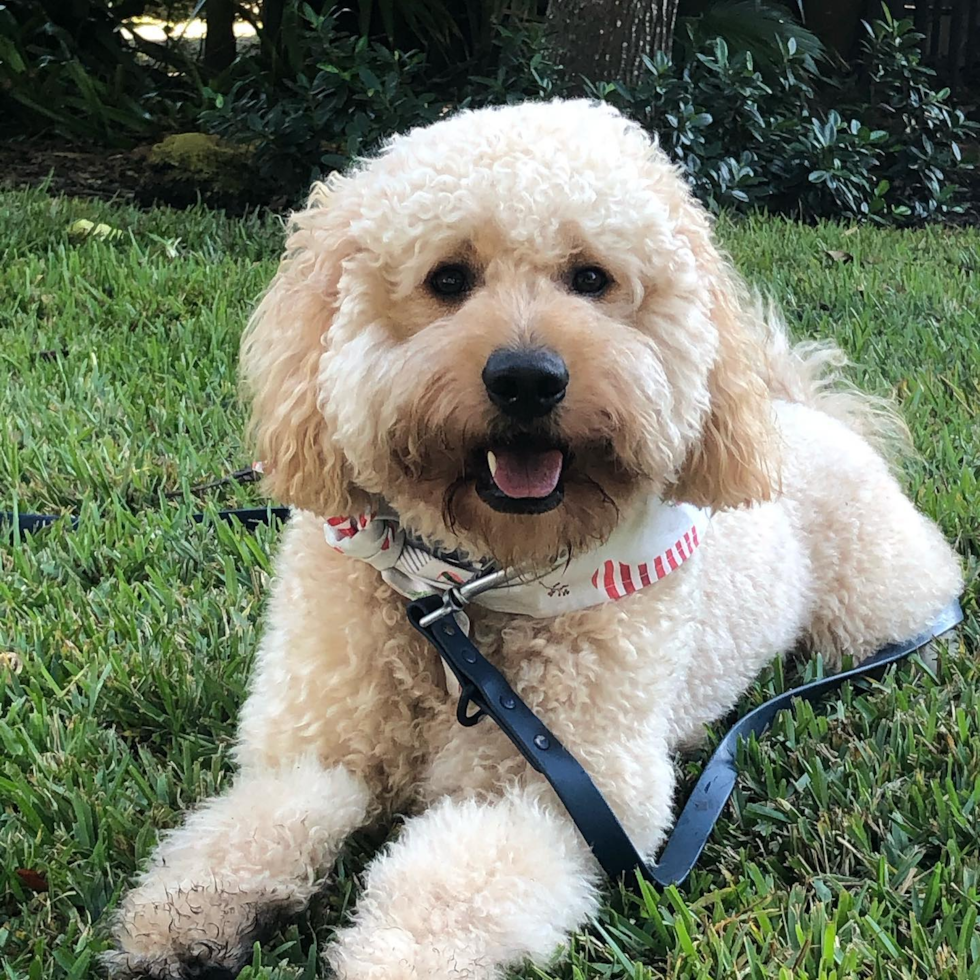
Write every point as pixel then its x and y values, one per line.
pixel 511 339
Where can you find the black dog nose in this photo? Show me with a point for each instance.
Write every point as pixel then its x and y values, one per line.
pixel 525 384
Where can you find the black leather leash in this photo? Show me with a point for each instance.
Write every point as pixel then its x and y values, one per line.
pixel 485 690
pixel 250 517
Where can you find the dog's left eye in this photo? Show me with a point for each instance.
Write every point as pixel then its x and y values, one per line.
pixel 589 280
pixel 450 281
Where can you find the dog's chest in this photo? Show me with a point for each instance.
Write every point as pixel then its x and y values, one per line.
pixel 584 665
pixel 593 677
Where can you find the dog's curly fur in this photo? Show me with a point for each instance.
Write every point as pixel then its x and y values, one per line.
pixel 365 387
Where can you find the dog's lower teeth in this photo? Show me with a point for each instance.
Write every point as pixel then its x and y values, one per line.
pixel 492 463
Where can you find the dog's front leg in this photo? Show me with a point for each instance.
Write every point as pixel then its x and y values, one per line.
pixel 323 720
pixel 468 889
pixel 238 863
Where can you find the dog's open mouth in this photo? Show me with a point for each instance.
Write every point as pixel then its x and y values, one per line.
pixel 521 477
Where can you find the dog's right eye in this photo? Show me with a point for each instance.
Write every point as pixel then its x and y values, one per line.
pixel 450 281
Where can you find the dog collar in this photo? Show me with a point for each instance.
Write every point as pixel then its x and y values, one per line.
pixel 646 547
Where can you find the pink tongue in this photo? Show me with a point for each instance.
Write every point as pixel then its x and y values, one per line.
pixel 527 474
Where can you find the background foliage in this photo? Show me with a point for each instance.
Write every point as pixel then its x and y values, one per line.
pixel 74 69
pixel 749 103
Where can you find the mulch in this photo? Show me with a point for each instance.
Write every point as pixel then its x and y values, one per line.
pixel 124 176
pixel 73 170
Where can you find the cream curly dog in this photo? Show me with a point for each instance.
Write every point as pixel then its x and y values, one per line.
pixel 514 330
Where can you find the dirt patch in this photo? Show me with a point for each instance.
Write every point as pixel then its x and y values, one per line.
pixel 121 175
pixel 72 170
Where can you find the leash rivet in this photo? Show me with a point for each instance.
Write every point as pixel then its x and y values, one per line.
pixel 541 741
pixel 469 657
pixel 508 702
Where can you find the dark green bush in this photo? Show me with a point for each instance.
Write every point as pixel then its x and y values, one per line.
pixel 778 134
pixel 72 69
pixel 756 26
pixel 328 96
pixel 520 67
pixel 786 139
pixel 342 96
pixel 922 149
pixel 789 154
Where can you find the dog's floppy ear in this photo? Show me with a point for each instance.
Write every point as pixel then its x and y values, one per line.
pixel 280 362
pixel 734 463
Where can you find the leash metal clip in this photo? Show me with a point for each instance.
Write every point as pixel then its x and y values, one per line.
pixel 454 599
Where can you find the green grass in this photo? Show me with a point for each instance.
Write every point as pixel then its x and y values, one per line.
pixel 851 845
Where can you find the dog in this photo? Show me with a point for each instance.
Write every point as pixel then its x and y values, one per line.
pixel 510 341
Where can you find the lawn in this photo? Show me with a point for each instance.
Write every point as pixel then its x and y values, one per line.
pixel 851 847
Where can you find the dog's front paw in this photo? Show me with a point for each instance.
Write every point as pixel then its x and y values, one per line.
pixel 195 931
pixel 396 954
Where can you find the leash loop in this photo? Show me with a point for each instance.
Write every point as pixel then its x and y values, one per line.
pixel 470 695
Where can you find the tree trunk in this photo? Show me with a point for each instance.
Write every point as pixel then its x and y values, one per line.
pixel 605 40
pixel 959 31
pixel 271 14
pixel 219 41
pixel 272 11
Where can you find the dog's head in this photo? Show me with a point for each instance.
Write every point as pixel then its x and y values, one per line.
pixel 509 326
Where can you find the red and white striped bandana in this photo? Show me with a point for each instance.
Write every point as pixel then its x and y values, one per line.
pixel 657 539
